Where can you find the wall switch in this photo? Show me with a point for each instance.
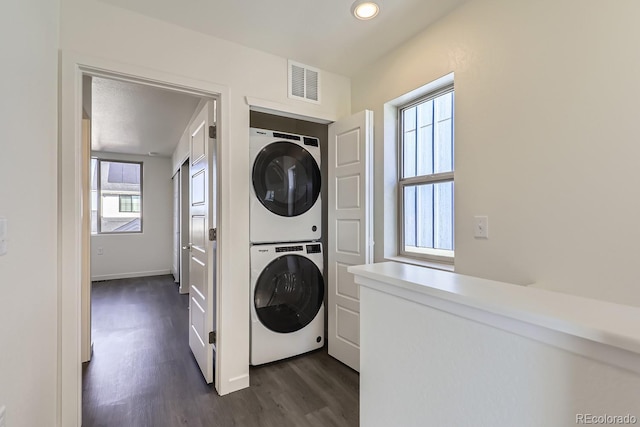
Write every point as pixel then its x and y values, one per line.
pixel 100 251
pixel 3 236
pixel 2 411
pixel 481 227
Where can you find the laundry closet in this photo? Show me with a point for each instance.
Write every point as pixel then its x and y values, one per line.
pixel 288 236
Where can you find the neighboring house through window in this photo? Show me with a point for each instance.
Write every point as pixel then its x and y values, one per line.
pixel 116 202
pixel 129 203
pixel 426 176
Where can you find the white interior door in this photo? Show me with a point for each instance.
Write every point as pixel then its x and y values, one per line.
pixel 202 246
pixel 350 238
pixel 175 267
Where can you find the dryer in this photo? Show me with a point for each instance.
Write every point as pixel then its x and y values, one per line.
pixel 285 204
pixel 287 300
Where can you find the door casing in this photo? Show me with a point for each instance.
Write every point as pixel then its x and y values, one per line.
pixel 73 67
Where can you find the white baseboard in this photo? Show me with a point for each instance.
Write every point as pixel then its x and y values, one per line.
pixel 129 275
pixel 235 384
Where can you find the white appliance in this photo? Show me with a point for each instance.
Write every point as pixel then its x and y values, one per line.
pixel 287 300
pixel 285 204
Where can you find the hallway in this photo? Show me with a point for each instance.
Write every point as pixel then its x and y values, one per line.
pixel 143 374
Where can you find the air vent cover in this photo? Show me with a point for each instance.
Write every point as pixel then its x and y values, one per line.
pixel 304 82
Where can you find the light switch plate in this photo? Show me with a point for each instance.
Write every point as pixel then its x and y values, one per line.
pixel 3 237
pixel 2 411
pixel 481 227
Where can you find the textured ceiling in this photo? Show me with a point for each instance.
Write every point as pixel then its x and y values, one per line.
pixel 320 33
pixel 136 119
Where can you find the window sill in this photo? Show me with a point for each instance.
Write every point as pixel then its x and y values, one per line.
pixel 422 263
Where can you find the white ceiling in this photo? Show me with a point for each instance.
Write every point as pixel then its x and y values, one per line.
pixel 136 119
pixel 320 33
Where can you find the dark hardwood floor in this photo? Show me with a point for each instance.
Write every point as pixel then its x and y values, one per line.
pixel 143 374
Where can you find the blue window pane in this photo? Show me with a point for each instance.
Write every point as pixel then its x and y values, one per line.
pixel 428 216
pixel 443 133
pixel 409 119
pixel 427 145
pixel 122 173
pixel 409 162
pixel 131 173
pixel 424 145
pixel 410 216
pixel 424 213
pixel 443 216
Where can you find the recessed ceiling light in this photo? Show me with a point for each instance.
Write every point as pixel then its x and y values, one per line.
pixel 364 10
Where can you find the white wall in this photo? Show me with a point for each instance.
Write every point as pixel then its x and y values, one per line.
pixel 28 199
pixel 425 366
pixel 546 103
pixel 182 150
pixel 95 29
pixel 139 254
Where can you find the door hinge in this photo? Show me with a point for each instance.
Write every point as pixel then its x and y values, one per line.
pixel 213 132
pixel 212 337
pixel 213 234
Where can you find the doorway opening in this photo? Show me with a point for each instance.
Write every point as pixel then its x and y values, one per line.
pixel 142 206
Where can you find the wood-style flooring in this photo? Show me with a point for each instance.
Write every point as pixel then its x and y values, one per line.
pixel 143 374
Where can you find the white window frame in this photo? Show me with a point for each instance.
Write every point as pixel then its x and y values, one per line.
pixel 427 254
pixel 99 231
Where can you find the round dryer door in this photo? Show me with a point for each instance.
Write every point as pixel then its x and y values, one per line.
pixel 289 293
pixel 286 179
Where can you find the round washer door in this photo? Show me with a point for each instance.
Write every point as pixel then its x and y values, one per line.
pixel 289 293
pixel 286 179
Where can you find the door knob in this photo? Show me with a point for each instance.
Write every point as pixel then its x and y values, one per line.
pixel 187 247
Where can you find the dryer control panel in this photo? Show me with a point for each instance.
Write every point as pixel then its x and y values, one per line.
pixel 289 249
pixel 313 249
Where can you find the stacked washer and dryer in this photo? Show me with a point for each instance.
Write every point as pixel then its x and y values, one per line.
pixel 287 286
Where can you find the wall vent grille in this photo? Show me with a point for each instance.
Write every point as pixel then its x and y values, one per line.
pixel 304 82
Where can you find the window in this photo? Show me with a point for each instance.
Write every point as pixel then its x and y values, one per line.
pixel 129 203
pixel 426 177
pixel 116 196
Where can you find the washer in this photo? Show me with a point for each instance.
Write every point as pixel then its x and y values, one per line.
pixel 285 204
pixel 287 301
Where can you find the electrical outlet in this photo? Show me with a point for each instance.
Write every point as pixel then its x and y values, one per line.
pixel 100 251
pixel 2 411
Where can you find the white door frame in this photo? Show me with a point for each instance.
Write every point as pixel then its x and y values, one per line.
pixel 73 67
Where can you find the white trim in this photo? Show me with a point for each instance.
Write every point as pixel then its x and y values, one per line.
pixel 422 263
pixel 428 254
pixel 73 67
pixel 390 162
pixel 599 330
pixel 238 383
pixel 301 112
pixel 130 275
pixel 415 94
